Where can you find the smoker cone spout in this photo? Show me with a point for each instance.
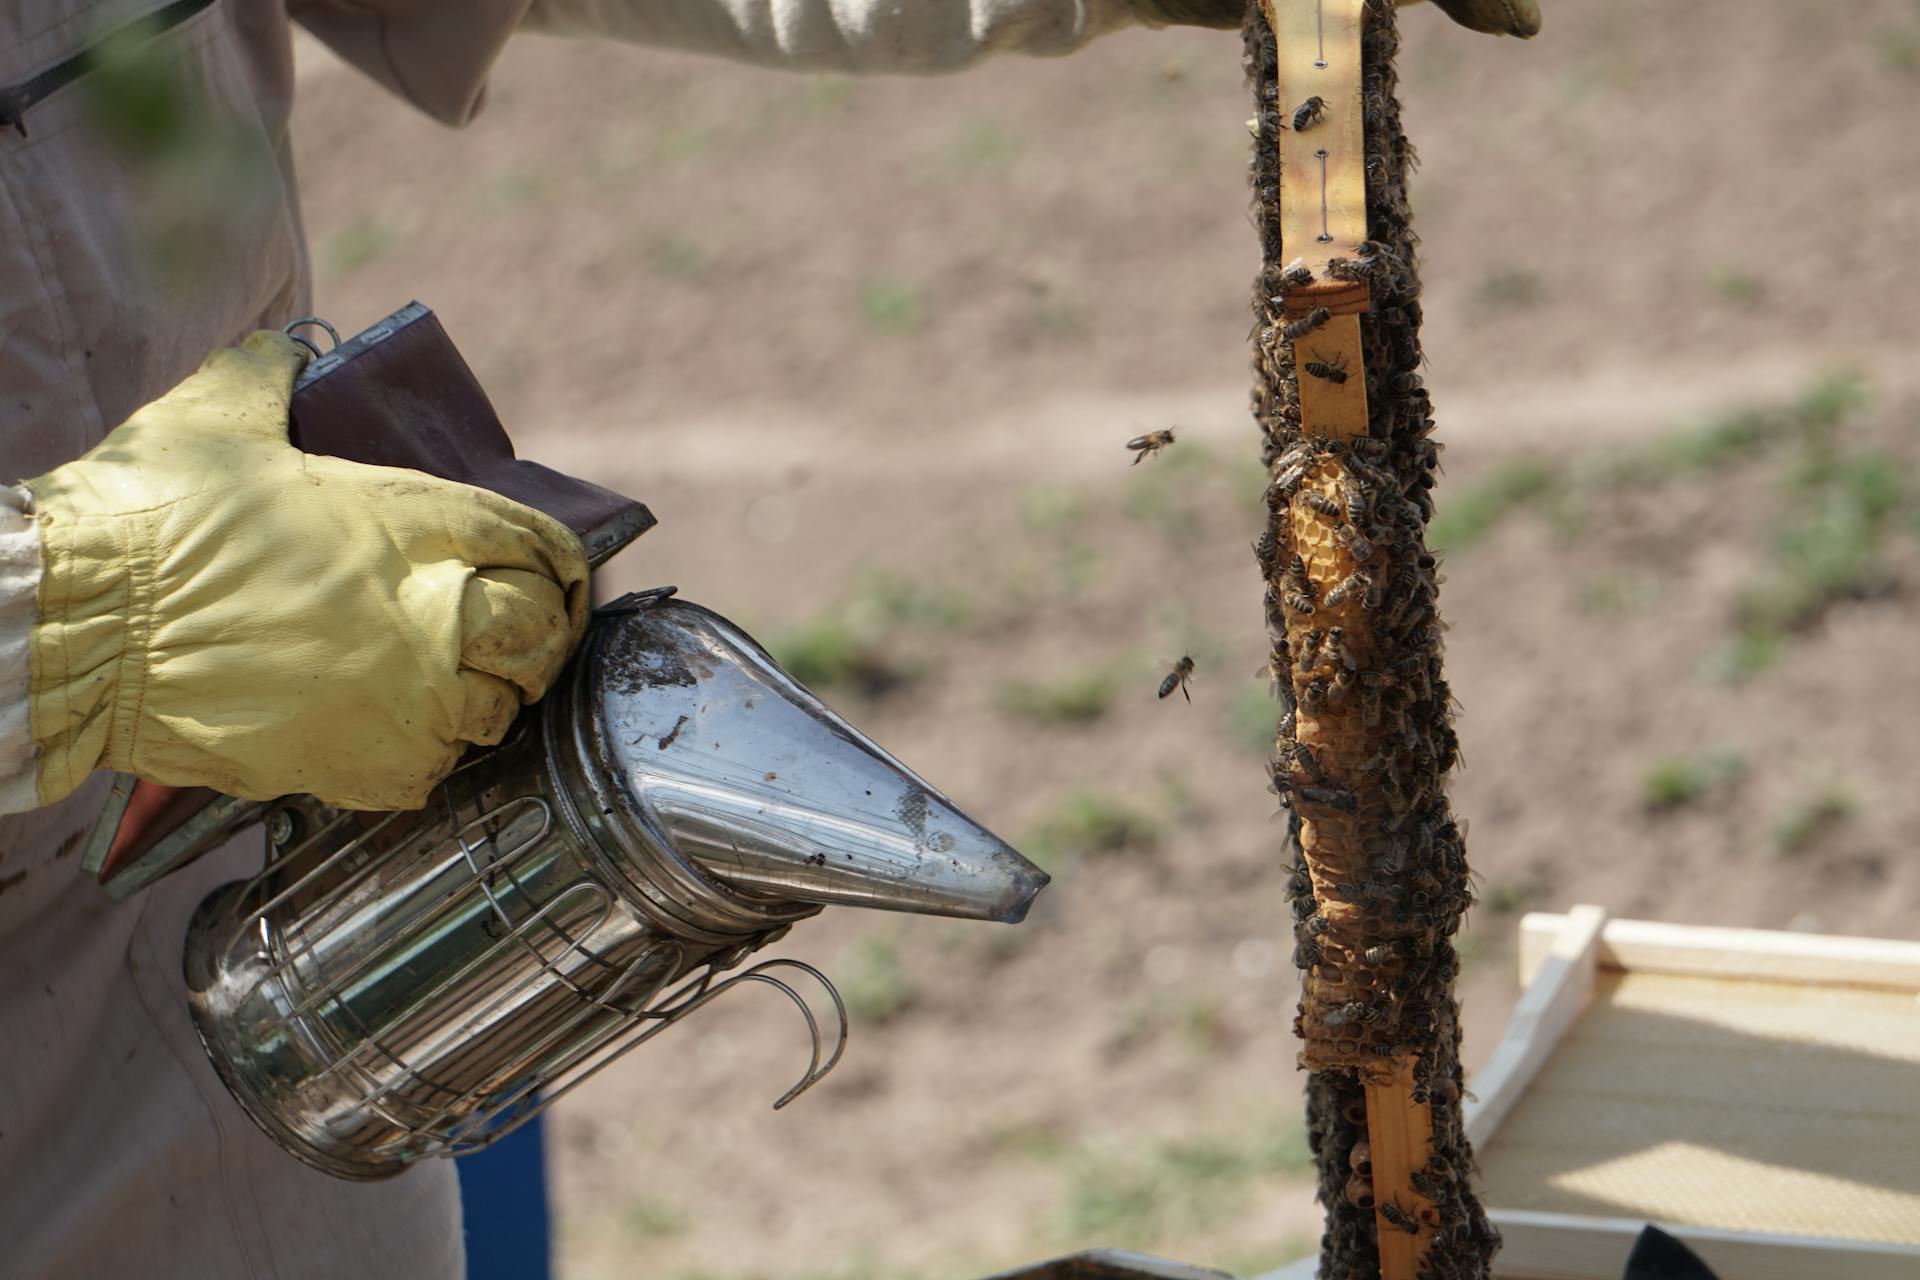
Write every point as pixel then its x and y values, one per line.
pixel 712 750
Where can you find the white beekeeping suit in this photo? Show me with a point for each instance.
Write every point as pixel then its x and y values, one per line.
pixel 120 1152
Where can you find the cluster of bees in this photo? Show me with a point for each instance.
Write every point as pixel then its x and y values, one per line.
pixel 1378 877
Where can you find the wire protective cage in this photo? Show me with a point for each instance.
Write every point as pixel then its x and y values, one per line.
pixel 403 985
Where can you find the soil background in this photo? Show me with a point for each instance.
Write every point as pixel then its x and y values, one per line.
pixel 870 349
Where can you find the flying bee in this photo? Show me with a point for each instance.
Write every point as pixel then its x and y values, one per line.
pixel 1178 677
pixel 1297 329
pixel 1309 112
pixel 1146 446
pixel 1334 370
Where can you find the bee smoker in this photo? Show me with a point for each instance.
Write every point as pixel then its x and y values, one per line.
pixel 394 986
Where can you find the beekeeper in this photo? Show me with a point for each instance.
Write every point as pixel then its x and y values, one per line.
pixel 190 599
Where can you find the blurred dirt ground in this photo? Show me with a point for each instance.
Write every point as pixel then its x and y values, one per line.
pixel 870 349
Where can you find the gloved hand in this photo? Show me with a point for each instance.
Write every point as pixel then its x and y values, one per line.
pixel 219 609
pixel 1496 17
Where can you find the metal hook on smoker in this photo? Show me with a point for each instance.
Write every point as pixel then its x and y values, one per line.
pixel 303 321
pixel 815 1072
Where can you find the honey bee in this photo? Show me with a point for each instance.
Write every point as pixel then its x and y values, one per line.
pixel 1331 797
pixel 1397 1218
pixel 1314 319
pixel 1310 649
pixel 1177 678
pixel 1309 112
pixel 1384 953
pixel 1354 1012
pixel 1320 502
pixel 1334 371
pixel 1357 502
pixel 1303 757
pixel 1359 582
pixel 1298 601
pixel 1336 641
pixel 1358 545
pixel 1297 275
pixel 1146 446
pixel 1265 548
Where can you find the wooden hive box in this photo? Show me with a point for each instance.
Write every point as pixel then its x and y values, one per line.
pixel 1755 1093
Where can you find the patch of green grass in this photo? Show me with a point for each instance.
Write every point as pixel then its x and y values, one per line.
pixel 360 243
pixel 891 305
pixel 886 600
pixel 981 148
pixel 1168 493
pixel 1831 548
pixel 825 95
pixel 1253 717
pixel 1811 819
pixel 1050 509
pixel 858 643
pixel 518 190
pixel 1898 48
pixel 1056 316
pixel 1038 1140
pixel 1504 897
pixel 873 982
pixel 1510 288
pixel 1736 436
pixel 1465 518
pixel 650 1219
pixel 1088 822
pixel 1736 286
pixel 686 141
pixel 1675 782
pixel 1076 698
pixel 1617 591
pixel 829 650
pixel 678 258
pixel 1136 1198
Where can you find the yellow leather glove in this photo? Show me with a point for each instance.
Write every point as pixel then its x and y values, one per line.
pixel 219 609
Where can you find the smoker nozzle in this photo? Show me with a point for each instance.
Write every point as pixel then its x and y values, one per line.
pixel 768 789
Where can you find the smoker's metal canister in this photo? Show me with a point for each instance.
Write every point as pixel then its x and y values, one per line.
pixel 402 985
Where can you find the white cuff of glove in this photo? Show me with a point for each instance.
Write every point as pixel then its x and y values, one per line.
pixel 19 604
